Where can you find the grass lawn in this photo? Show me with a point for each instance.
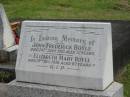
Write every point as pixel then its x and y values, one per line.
pixel 71 9
pixel 125 80
pixel 67 9
pixel 6 76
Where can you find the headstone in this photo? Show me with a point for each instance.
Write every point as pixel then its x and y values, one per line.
pixel 65 59
pixel 6 35
pixel 72 54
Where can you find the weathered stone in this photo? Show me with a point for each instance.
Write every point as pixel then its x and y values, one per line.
pixel 73 54
pixel 3 90
pixel 21 89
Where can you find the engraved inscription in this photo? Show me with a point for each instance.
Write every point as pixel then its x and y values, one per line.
pixel 62 52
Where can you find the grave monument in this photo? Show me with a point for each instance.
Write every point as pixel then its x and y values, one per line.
pixel 6 35
pixel 65 59
pixel 7 41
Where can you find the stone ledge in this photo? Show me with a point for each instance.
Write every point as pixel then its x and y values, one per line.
pixel 21 89
pixel 3 90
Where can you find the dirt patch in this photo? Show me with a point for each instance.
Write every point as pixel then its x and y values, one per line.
pixel 122 5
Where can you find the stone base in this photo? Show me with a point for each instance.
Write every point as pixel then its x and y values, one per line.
pixel 21 89
pixel 3 90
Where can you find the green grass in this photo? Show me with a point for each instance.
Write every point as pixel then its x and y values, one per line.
pixel 125 80
pixel 6 76
pixel 67 9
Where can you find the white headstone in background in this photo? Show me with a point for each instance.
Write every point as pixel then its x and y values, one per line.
pixel 6 35
pixel 72 54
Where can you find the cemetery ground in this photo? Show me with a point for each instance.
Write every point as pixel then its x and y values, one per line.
pixel 69 9
pixel 125 80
